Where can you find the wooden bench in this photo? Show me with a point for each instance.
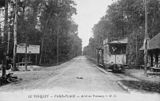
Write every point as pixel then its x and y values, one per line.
pixel 22 63
pixel 155 69
pixel 153 73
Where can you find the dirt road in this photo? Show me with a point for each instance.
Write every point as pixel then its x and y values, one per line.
pixel 77 75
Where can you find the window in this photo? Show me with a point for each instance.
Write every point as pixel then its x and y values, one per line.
pixel 117 49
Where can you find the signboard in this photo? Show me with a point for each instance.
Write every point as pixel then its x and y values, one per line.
pixel 31 49
pixel 20 49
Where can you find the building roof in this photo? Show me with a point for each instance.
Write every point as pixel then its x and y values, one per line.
pixel 122 41
pixel 154 43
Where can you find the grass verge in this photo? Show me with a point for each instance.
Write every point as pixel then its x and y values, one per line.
pixel 142 85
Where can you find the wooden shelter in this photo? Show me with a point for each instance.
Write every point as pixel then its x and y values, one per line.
pixel 153 51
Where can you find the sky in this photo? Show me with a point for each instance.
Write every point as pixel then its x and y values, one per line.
pixel 89 13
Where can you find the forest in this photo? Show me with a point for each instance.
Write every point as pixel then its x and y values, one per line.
pixel 47 23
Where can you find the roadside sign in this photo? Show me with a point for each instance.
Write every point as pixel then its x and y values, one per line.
pixel 20 49
pixel 31 49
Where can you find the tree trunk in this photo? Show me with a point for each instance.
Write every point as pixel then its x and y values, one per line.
pixel 4 61
pixel 41 55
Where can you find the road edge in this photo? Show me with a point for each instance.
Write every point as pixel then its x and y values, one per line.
pixel 118 82
pixel 128 89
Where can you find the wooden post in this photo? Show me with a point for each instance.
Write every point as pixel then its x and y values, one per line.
pixel 103 57
pixel 98 57
pixel 36 59
pixel 151 55
pixel 26 56
pixel 156 58
pixel 18 57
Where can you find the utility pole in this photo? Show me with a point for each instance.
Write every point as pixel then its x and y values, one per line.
pixel 146 38
pixel 15 36
pixel 58 45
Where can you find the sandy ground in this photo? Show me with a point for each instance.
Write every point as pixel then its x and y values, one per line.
pixel 78 78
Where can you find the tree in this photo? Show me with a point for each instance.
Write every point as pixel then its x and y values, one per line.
pixel 42 21
pixel 2 3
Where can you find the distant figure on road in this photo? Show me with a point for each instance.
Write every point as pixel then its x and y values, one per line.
pixel 9 62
